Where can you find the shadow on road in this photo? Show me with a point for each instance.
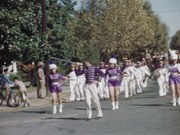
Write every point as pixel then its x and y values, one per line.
pixel 39 112
pixel 146 96
pixel 92 108
pixel 67 118
pixel 150 105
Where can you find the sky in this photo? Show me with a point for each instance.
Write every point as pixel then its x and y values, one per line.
pixel 167 10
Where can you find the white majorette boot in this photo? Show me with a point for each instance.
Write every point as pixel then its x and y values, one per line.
pixel 117 105
pixel 89 115
pixel 54 111
pixel 113 106
pixel 60 108
pixel 174 102
pixel 99 116
pixel 178 101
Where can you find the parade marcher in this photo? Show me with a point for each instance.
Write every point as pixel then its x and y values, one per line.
pixel 40 80
pixel 71 74
pixel 23 90
pixel 126 80
pixel 161 74
pixel 149 61
pixel 133 76
pixel 139 79
pixel 103 92
pixel 113 82
pixel 174 77
pixel 55 82
pixel 80 82
pixel 91 90
pixel 106 88
pixel 146 73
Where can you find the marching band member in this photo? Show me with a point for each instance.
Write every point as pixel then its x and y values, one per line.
pixel 71 74
pixel 113 82
pixel 91 88
pixel 146 73
pixel 106 89
pixel 55 81
pixel 80 82
pixel 132 83
pixel 161 74
pixel 174 77
pixel 126 80
pixel 139 79
pixel 103 93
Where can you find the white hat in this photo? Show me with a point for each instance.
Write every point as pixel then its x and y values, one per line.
pixel 51 66
pixel 173 55
pixel 112 61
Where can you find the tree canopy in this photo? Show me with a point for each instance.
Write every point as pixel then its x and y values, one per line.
pixel 175 41
pixel 21 29
pixel 98 29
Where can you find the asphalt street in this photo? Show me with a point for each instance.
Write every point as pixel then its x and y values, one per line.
pixel 144 114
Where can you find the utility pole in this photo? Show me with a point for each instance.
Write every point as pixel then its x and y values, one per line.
pixel 44 32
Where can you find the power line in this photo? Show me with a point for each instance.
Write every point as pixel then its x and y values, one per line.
pixel 175 6
pixel 167 11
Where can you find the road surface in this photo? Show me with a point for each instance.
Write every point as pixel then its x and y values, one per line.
pixel 144 114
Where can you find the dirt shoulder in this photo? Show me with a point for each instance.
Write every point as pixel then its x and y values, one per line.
pixel 34 101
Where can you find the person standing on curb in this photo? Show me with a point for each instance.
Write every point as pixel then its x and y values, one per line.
pixel 40 80
pixel 91 89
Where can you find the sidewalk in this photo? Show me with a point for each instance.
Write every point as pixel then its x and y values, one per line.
pixel 34 101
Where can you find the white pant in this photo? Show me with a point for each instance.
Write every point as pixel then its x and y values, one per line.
pixel 92 92
pixel 103 90
pixel 162 86
pixel 73 85
pixel 139 85
pixel 126 86
pixel 80 90
pixel 132 90
pixel 145 81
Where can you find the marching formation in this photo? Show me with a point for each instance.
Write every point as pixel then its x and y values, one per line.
pixel 106 81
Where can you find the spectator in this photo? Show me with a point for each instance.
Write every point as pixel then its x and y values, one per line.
pixel 40 80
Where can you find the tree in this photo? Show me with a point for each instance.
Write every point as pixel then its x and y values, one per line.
pixel 122 27
pixel 175 41
pixel 84 27
pixel 21 37
pixel 159 42
pixel 16 29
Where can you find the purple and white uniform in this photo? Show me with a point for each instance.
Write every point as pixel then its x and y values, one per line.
pixel 114 77
pixel 55 85
pixel 90 74
pixel 91 90
pixel 174 77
